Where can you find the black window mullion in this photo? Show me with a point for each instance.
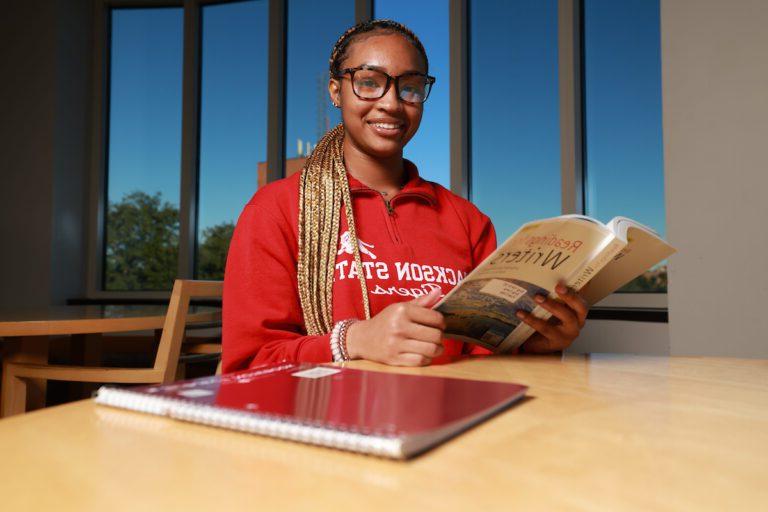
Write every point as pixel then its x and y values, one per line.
pixel 278 22
pixel 190 140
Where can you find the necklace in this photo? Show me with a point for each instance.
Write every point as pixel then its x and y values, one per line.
pixel 385 194
pixel 400 187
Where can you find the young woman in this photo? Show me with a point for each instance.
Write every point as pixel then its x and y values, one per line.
pixel 345 259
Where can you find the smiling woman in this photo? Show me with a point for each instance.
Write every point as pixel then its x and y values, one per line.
pixel 292 292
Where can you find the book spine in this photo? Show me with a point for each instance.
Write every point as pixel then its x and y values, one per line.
pixel 252 423
pixel 594 265
pixel 520 334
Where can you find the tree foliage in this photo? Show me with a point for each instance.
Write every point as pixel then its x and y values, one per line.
pixel 652 281
pixel 143 248
pixel 143 244
pixel 212 254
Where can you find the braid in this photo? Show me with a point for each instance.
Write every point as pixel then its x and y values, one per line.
pixel 339 52
pixel 323 189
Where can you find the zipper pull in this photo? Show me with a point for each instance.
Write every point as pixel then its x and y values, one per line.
pixel 389 207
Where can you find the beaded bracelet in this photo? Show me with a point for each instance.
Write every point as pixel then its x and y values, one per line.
pixel 339 340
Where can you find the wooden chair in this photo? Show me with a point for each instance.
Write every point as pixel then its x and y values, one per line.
pixel 163 370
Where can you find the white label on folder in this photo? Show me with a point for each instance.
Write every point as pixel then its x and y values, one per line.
pixel 194 393
pixel 316 373
pixel 503 290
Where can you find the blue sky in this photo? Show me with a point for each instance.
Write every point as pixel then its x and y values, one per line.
pixel 515 112
pixel 233 107
pixel 515 133
pixel 624 154
pixel 309 47
pixel 145 103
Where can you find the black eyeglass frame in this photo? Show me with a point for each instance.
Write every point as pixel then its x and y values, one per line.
pixel 351 71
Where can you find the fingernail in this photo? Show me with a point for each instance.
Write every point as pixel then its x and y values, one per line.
pixel 561 288
pixel 520 314
pixel 539 298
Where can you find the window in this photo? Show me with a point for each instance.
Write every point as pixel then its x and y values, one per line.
pixel 233 123
pixel 624 167
pixel 430 147
pixel 144 149
pixel 313 28
pixel 515 126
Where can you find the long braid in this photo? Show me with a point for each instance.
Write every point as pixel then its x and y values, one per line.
pixel 323 190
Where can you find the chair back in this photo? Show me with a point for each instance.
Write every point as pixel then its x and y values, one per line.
pixel 169 349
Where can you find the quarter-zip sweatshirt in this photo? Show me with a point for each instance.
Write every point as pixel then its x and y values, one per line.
pixel 425 237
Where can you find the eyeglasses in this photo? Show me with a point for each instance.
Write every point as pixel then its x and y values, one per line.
pixel 372 84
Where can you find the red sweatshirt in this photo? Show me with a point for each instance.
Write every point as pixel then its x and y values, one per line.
pixel 426 237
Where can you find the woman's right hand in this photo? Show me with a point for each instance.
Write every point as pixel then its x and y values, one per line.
pixel 402 334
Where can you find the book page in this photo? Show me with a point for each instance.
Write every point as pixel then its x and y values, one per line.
pixel 481 309
pixel 644 249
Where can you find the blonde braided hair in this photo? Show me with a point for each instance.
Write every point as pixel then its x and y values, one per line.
pixel 339 52
pixel 323 189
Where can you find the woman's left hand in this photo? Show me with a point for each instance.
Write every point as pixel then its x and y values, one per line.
pixel 563 326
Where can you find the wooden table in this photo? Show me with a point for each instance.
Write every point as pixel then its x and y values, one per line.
pixel 599 432
pixel 25 333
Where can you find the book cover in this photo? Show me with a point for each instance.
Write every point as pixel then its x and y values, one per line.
pixel 571 248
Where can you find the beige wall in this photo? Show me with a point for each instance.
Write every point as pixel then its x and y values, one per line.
pixel 649 338
pixel 715 97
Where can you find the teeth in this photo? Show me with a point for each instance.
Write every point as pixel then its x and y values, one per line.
pixel 386 126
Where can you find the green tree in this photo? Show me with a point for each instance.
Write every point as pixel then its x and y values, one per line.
pixel 142 243
pixel 212 254
pixel 652 281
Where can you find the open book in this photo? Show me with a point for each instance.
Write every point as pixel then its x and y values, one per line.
pixel 378 413
pixel 575 249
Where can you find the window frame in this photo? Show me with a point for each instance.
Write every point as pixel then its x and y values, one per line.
pixel 190 132
pixel 571 97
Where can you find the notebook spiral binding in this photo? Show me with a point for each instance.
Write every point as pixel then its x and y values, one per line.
pixel 251 422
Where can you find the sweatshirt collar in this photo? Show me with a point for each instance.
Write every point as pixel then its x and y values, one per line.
pixel 415 187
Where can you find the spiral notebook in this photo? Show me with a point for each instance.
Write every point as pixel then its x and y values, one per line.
pixel 385 414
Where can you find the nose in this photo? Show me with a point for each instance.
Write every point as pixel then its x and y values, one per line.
pixel 390 101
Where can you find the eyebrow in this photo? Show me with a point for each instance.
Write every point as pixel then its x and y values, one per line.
pixel 380 68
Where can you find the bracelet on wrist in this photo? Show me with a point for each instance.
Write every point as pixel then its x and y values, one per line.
pixel 339 340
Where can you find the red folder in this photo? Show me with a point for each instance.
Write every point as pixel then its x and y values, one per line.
pixel 387 414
